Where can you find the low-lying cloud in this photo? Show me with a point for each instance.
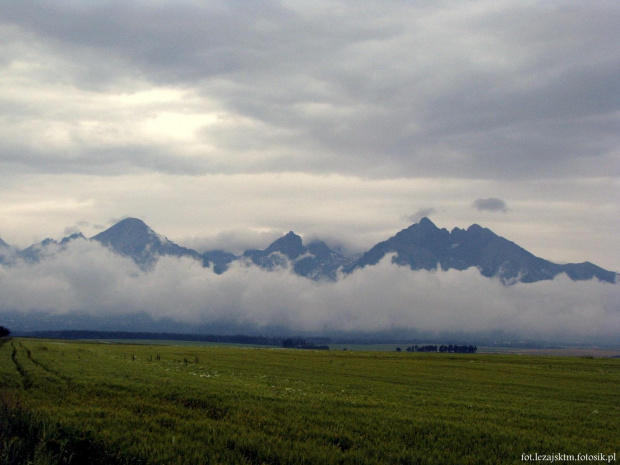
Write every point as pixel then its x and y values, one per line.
pixel 421 213
pixel 89 279
pixel 492 205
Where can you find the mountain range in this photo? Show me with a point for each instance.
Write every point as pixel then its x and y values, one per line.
pixel 420 246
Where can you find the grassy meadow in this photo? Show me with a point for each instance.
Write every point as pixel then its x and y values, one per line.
pixel 78 402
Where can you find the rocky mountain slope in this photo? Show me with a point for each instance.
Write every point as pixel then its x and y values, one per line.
pixel 420 246
pixel 424 246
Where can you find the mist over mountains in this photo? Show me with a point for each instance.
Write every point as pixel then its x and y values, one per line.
pixel 421 246
pixel 424 280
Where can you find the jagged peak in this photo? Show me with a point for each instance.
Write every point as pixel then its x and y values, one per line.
pixel 477 229
pixel 423 228
pixel 72 237
pixel 128 227
pixel 318 244
pixel 131 223
pixel 288 238
pixel 290 245
pixel 426 222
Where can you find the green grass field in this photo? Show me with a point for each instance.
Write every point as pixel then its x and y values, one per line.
pixel 70 402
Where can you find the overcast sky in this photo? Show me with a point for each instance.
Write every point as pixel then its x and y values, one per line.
pixel 224 124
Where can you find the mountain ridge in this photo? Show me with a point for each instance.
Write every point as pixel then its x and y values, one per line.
pixel 316 261
pixel 421 245
pixel 424 246
pixel 134 238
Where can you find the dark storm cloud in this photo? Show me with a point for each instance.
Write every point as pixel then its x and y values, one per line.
pixel 492 205
pixel 471 89
pixel 181 42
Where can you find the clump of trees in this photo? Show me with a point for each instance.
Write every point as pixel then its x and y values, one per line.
pixel 4 332
pixel 300 343
pixel 456 349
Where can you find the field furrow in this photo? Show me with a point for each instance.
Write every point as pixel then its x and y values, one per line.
pixel 195 405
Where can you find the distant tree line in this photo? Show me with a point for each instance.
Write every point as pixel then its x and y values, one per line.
pixel 456 349
pixel 234 339
pixel 90 334
pixel 299 343
pixel 4 332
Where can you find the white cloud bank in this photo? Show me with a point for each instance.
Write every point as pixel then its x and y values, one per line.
pixel 88 279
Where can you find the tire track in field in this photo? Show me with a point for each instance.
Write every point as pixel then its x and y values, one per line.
pixel 26 380
pixel 44 367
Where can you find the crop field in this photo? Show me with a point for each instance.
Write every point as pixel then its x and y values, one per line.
pixel 74 402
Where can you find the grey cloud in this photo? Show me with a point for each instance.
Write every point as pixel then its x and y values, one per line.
pixel 86 224
pixel 513 91
pixel 180 42
pixel 79 225
pixel 116 160
pixel 86 278
pixel 491 204
pixel 235 241
pixel 71 230
pixel 421 213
